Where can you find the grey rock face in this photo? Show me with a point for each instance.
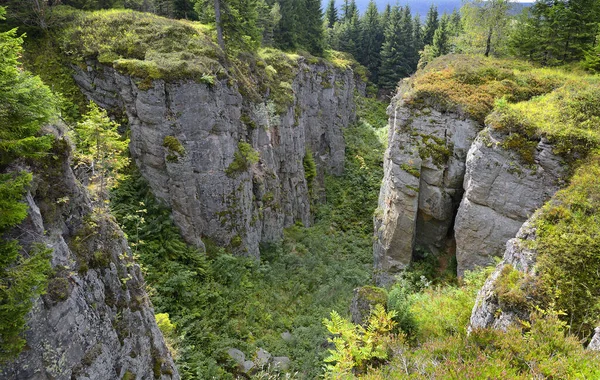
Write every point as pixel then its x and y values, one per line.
pixel 238 208
pixel 487 311
pixel 95 322
pixel 501 192
pixel 424 167
pixel 594 344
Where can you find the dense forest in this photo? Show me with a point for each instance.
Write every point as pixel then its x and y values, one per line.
pixel 87 84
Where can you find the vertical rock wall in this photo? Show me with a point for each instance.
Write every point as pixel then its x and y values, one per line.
pixel 424 167
pixel 440 165
pixel 239 208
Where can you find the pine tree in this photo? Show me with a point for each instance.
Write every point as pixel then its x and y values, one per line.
pixel 431 25
pixel 331 14
pixel 394 61
pixel 268 18
pixel 348 36
pixel 285 32
pixel 350 10
pixel 311 27
pixel 371 39
pixel 441 39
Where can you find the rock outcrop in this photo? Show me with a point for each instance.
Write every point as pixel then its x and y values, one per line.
pixel 95 321
pixel 501 193
pixel 424 167
pixel 193 143
pixel 489 310
pixel 450 184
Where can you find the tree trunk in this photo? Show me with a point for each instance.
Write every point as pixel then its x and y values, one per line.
pixel 488 44
pixel 218 24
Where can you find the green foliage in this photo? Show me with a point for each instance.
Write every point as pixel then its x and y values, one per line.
pixel 568 117
pixel 25 105
pixel 310 169
pixel 357 347
pixel 23 278
pixel 372 111
pixel 472 85
pixel 508 287
pixel 243 158
pixel 218 301
pixel 174 146
pixel 556 32
pixel 568 245
pixel 101 151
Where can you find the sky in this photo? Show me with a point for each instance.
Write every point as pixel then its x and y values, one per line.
pixel 417 6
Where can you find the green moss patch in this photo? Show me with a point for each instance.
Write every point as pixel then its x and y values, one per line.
pixel 140 44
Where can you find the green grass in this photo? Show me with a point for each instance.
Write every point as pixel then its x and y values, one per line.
pixel 140 44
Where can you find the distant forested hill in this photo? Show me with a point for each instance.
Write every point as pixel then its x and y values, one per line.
pixel 420 6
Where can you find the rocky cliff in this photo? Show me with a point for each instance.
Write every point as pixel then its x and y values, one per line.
pixel 95 320
pixel 452 182
pixel 232 168
pixel 424 167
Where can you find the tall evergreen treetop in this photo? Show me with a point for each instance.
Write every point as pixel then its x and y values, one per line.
pixel 371 39
pixel 331 14
pixel 431 25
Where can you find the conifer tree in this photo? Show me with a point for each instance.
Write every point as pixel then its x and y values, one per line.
pixel 407 41
pixel 440 44
pixel 431 25
pixel 417 39
pixel 486 23
pixel 311 27
pixel 285 32
pixel 331 14
pixel 371 39
pixel 395 63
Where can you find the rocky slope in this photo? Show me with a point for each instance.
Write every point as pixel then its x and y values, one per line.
pixel 95 321
pixel 192 140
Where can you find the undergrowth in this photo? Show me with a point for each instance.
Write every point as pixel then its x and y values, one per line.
pixel 217 301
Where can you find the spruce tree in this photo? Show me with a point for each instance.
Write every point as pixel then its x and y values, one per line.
pixel 407 41
pixel 395 63
pixel 331 14
pixel 311 27
pixel 285 32
pixel 431 25
pixel 417 39
pixel 371 39
pixel 441 39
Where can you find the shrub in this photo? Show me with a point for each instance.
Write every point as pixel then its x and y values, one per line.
pixel 242 159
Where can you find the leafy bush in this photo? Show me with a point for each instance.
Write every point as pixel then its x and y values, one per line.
pixel 357 347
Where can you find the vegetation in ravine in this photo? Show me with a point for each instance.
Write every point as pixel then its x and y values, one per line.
pixel 217 301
